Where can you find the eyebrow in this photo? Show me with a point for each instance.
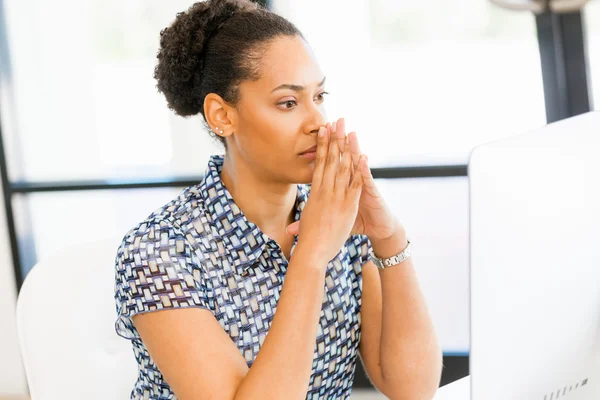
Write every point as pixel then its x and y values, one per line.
pixel 297 88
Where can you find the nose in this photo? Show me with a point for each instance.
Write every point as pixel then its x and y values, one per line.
pixel 316 118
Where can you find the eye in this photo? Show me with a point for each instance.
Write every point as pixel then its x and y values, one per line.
pixel 322 94
pixel 286 103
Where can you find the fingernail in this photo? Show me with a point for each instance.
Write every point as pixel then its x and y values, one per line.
pixel 333 127
pixel 321 132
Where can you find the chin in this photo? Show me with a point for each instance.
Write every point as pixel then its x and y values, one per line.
pixel 304 180
pixel 306 175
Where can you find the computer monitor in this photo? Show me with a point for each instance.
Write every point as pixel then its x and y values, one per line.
pixel 535 264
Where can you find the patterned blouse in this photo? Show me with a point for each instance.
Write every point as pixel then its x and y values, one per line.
pixel 199 250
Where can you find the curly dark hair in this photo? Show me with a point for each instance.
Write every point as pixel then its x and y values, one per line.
pixel 211 48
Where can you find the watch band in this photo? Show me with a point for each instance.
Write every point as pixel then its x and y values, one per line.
pixel 383 263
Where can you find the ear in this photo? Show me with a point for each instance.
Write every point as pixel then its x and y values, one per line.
pixel 219 115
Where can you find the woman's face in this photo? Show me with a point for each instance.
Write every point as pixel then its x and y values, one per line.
pixel 279 115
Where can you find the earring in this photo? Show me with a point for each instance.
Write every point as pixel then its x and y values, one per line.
pixel 219 130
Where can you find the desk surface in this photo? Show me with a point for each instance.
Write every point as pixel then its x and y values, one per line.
pixel 457 390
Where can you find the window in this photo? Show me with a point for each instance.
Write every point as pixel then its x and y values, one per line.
pixel 592 30
pixel 83 98
pixel 422 83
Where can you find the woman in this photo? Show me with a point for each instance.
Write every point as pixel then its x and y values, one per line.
pixel 247 258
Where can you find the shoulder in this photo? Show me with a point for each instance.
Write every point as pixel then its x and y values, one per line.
pixel 171 215
pixel 187 205
pixel 164 228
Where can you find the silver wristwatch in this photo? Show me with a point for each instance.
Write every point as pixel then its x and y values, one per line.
pixel 393 260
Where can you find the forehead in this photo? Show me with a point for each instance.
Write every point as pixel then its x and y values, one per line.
pixel 290 60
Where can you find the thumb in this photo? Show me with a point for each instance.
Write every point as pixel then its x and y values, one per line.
pixel 293 229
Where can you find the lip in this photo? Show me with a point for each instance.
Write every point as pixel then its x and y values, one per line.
pixel 311 150
pixel 310 154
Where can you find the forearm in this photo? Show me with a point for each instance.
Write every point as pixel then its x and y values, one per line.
pixel 283 366
pixel 410 353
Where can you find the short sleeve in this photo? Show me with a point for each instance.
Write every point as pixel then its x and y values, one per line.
pixel 155 269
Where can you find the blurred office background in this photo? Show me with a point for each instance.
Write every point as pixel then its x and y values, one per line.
pixel 89 146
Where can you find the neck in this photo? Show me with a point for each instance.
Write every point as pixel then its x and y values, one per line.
pixel 265 202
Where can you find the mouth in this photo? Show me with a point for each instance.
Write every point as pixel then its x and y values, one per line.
pixel 312 150
pixel 311 155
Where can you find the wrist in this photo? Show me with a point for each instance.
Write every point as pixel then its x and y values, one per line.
pixel 388 247
pixel 310 255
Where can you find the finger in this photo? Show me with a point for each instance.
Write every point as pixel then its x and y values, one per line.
pixel 331 164
pixel 331 130
pixel 353 168
pixel 293 228
pixel 351 138
pixel 320 158
pixel 365 170
pixel 340 130
pixel 356 186
pixel 354 148
pixel 342 179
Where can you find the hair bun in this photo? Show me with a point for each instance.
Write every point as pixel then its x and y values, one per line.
pixel 182 47
pixel 220 11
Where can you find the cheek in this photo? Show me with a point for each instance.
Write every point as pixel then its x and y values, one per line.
pixel 272 136
pixel 279 138
pixel 264 124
